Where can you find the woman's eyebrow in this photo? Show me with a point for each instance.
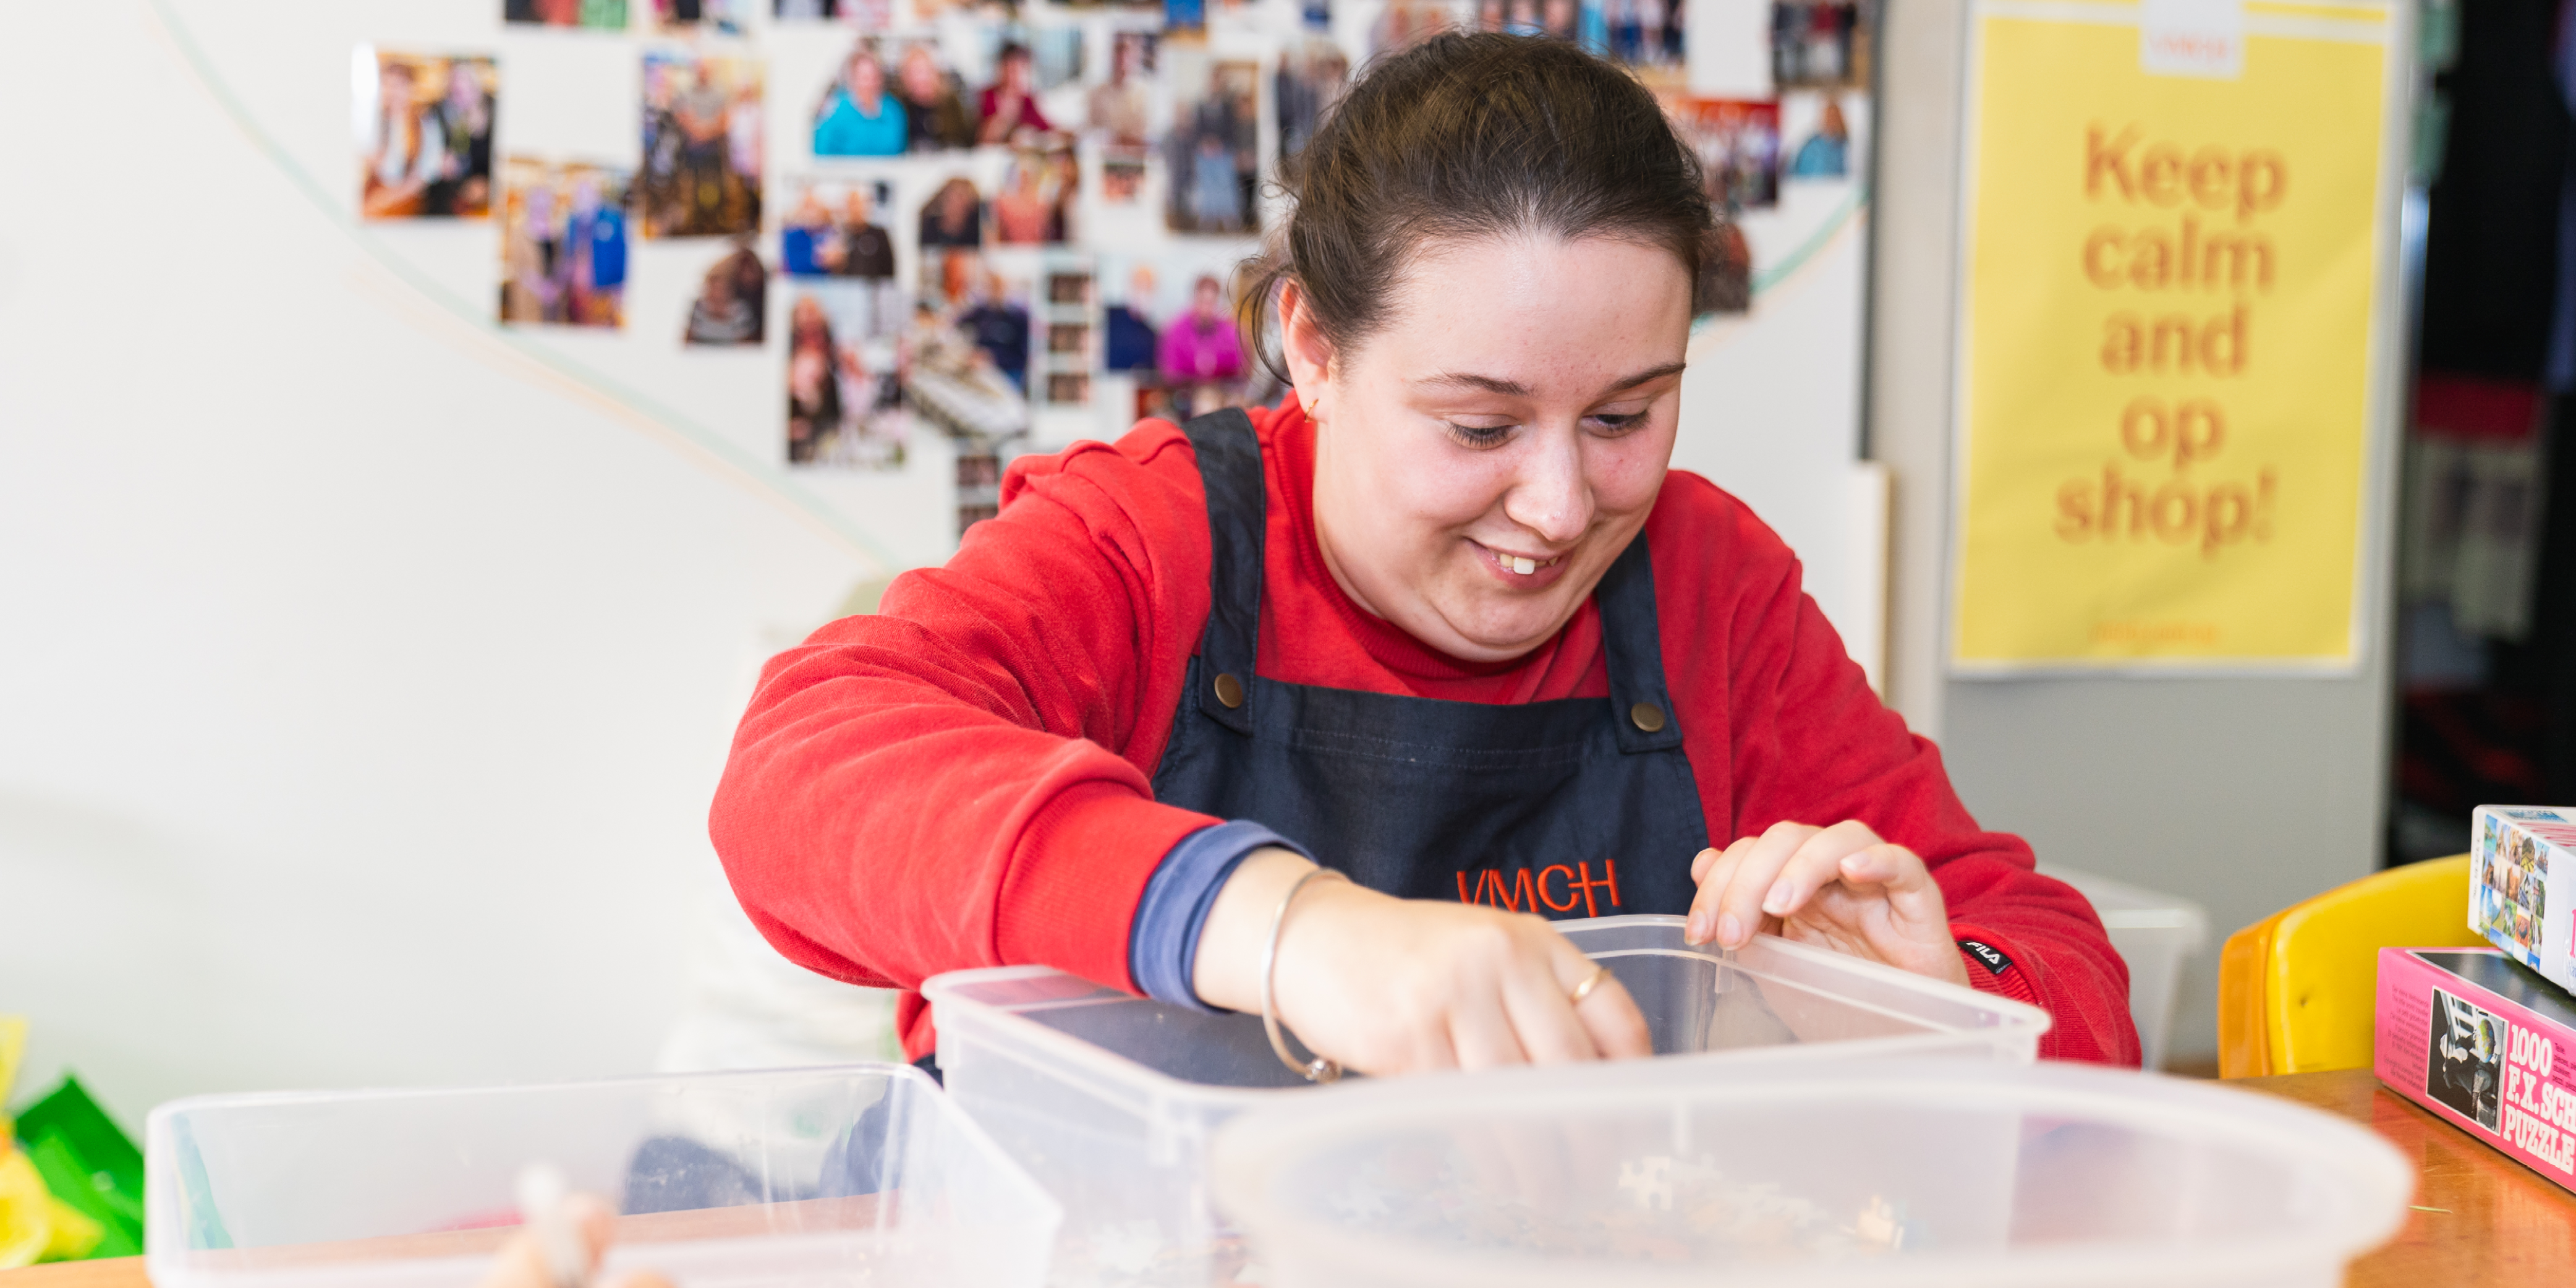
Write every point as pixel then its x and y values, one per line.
pixel 1489 384
pixel 1515 389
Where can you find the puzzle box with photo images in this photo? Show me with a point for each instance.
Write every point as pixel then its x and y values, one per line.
pixel 2522 885
pixel 2486 1045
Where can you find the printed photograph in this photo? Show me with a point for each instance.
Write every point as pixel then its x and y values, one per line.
pixel 563 244
pixel 967 351
pixel 1406 23
pixel 1068 288
pixel 890 96
pixel 1738 144
pixel 1035 206
pixel 1128 334
pixel 1557 18
pixel 1170 326
pixel 702 145
pixel 1122 175
pixel 953 217
pixel 424 126
pixel 1213 153
pixel 836 228
pixel 873 15
pixel 598 15
pixel 732 308
pixel 2464 1059
pixel 1121 106
pixel 1311 78
pixel 1826 152
pixel 1820 42
pixel 701 17
pixel 845 405
pixel 979 485
pixel 983 308
pixel 1008 111
pixel 860 114
pixel 1726 271
pixel 1645 34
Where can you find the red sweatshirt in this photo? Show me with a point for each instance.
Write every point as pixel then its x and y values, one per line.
pixel 961 779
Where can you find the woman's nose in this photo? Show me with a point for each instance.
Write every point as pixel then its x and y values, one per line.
pixel 1550 497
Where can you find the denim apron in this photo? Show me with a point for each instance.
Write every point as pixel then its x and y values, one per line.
pixel 1578 807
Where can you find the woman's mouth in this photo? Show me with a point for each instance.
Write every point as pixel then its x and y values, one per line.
pixel 1521 569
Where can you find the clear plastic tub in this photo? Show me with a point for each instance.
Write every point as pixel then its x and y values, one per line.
pixel 1864 1173
pixel 1110 1100
pixel 857 1174
pixel 2157 935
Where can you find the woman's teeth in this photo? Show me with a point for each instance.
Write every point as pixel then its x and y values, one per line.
pixel 1524 566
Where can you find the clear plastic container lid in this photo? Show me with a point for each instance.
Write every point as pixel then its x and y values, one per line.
pixel 1844 1173
pixel 1770 997
pixel 862 1173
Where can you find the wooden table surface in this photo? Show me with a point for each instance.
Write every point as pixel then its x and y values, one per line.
pixel 2481 1218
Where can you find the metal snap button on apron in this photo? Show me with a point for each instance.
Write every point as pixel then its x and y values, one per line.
pixel 1229 691
pixel 1645 715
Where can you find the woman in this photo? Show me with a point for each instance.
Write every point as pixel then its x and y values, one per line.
pixel 463 123
pixel 403 155
pixel 1441 621
pixel 1008 107
pixel 813 387
pixel 1202 347
pixel 935 112
pixel 859 118
pixel 1022 215
pixel 720 315
pixel 954 215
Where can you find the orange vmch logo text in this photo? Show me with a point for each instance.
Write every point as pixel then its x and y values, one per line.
pixel 1533 889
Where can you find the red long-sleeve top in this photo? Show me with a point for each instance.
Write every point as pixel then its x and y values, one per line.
pixel 961 778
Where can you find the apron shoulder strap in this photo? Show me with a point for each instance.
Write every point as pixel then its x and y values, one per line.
pixel 1642 704
pixel 1229 456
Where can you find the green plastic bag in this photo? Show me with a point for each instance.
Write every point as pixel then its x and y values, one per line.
pixel 88 1162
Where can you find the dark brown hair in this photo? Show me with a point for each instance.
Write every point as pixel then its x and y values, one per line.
pixel 1471 135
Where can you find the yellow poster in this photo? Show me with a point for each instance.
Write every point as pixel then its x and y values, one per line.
pixel 2166 394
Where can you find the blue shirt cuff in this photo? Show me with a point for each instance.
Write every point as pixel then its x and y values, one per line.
pixel 1163 941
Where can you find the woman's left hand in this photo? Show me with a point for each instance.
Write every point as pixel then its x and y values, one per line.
pixel 1840 887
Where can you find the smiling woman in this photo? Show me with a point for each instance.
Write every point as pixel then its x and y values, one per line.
pixel 1442 623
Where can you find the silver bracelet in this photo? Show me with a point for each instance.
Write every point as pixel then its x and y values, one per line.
pixel 1318 1069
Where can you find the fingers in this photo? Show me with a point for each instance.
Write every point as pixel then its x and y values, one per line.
pixel 521 1262
pixel 1728 907
pixel 1531 1018
pixel 1611 1018
pixel 1817 863
pixel 1488 1025
pixel 1904 876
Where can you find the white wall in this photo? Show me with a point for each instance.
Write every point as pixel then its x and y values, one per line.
pixel 364 672
pixel 362 684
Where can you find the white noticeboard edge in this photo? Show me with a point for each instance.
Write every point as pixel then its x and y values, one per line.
pixel 2383 400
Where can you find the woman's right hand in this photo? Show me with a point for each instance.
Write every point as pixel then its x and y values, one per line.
pixel 1384 985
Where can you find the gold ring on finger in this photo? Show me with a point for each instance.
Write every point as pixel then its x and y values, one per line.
pixel 1590 982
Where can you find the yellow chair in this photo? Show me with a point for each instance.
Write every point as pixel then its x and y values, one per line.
pixel 2296 992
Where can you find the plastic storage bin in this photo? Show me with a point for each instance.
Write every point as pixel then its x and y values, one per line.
pixel 1110 1100
pixel 2157 935
pixel 858 1174
pixel 1853 1174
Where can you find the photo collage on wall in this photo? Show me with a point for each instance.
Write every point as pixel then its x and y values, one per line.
pixel 1004 226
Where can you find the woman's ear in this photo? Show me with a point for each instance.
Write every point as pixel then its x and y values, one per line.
pixel 1302 343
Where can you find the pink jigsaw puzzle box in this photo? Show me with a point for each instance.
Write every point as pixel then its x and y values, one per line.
pixel 2486 1044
